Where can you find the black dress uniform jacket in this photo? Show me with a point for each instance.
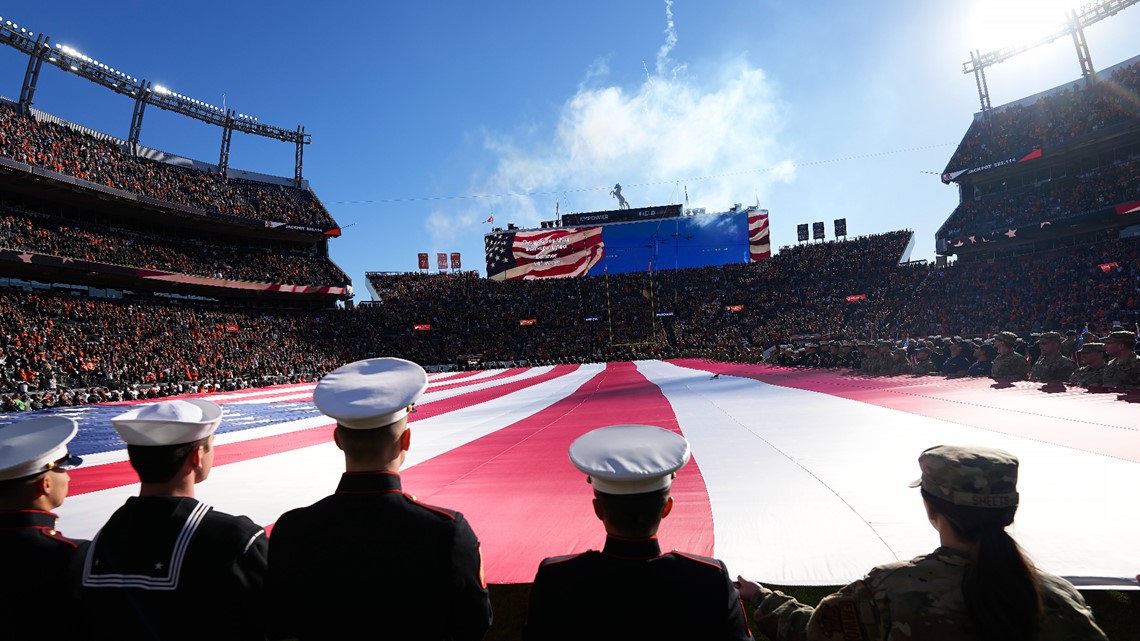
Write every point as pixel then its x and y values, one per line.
pixel 166 567
pixel 630 590
pixel 370 562
pixel 35 561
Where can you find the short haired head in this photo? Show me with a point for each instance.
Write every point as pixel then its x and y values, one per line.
pixel 631 468
pixel 161 436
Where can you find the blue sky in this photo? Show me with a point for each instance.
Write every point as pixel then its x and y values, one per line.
pixel 427 117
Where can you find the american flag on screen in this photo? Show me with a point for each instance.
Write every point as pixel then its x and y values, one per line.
pixel 544 253
pixel 759 238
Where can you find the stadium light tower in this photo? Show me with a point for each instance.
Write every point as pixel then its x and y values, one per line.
pixel 142 92
pixel 1077 20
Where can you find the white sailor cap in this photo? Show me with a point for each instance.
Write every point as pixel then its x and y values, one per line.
pixel 37 445
pixel 630 459
pixel 169 422
pixel 371 393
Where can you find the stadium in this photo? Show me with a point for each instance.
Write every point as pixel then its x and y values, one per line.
pixel 131 274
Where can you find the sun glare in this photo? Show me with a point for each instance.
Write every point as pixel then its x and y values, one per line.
pixel 1001 23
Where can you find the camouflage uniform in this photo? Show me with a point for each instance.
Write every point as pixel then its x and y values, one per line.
pixel 1123 371
pixel 918 599
pixel 1088 375
pixel 922 598
pixel 1055 368
pixel 1010 365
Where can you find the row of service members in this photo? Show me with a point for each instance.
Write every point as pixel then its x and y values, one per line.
pixel 372 562
pixel 1107 362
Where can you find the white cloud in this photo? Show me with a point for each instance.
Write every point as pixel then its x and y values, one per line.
pixel 718 136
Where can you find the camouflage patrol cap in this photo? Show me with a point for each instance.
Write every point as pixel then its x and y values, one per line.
pixel 1009 338
pixel 1091 347
pixel 1047 337
pixel 1122 336
pixel 970 476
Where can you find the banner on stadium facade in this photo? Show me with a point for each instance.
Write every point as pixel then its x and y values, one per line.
pixel 817 230
pixel 954 175
pixel 840 227
pixel 64 262
pixel 527 322
pixel 621 215
pixel 1128 208
pixel 545 253
pixel 759 236
pixel 665 312
pixel 802 232
pixel 455 262
pixel 424 264
pixel 1107 267
pixel 734 308
pixel 441 261
pixel 421 327
pixel 856 297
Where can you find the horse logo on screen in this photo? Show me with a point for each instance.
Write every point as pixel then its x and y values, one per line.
pixel 616 193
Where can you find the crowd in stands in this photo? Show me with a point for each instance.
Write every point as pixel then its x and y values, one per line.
pixel 1050 201
pixel 67 151
pixel 1069 115
pixel 51 341
pixel 238 260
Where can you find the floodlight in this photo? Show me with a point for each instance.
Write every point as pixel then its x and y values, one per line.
pixel 74 68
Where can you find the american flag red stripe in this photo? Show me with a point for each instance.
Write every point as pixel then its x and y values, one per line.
pixel 759 236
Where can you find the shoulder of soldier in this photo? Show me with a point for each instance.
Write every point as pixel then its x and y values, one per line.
pixel 1066 612
pixel 229 525
pixel 698 560
pixel 551 561
pixel 441 513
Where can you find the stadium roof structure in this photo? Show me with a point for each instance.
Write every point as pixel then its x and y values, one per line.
pixel 39 49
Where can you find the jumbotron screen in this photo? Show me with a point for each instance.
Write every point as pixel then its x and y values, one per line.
pixel 671 243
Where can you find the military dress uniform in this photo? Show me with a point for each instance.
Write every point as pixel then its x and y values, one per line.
pixel 630 590
pixel 36 558
pixel 161 558
pixel 398 568
pixel 382 553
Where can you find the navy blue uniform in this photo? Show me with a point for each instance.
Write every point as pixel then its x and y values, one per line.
pixel 37 585
pixel 161 563
pixel 630 590
pixel 372 562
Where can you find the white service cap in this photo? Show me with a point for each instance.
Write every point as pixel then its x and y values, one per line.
pixel 630 459
pixel 371 393
pixel 169 422
pixel 37 445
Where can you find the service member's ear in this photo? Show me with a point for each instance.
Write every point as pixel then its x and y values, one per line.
pixel 406 439
pixel 668 507
pixel 599 510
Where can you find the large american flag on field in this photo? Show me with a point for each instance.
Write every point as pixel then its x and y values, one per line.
pixel 546 253
pixel 798 477
pixel 759 238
